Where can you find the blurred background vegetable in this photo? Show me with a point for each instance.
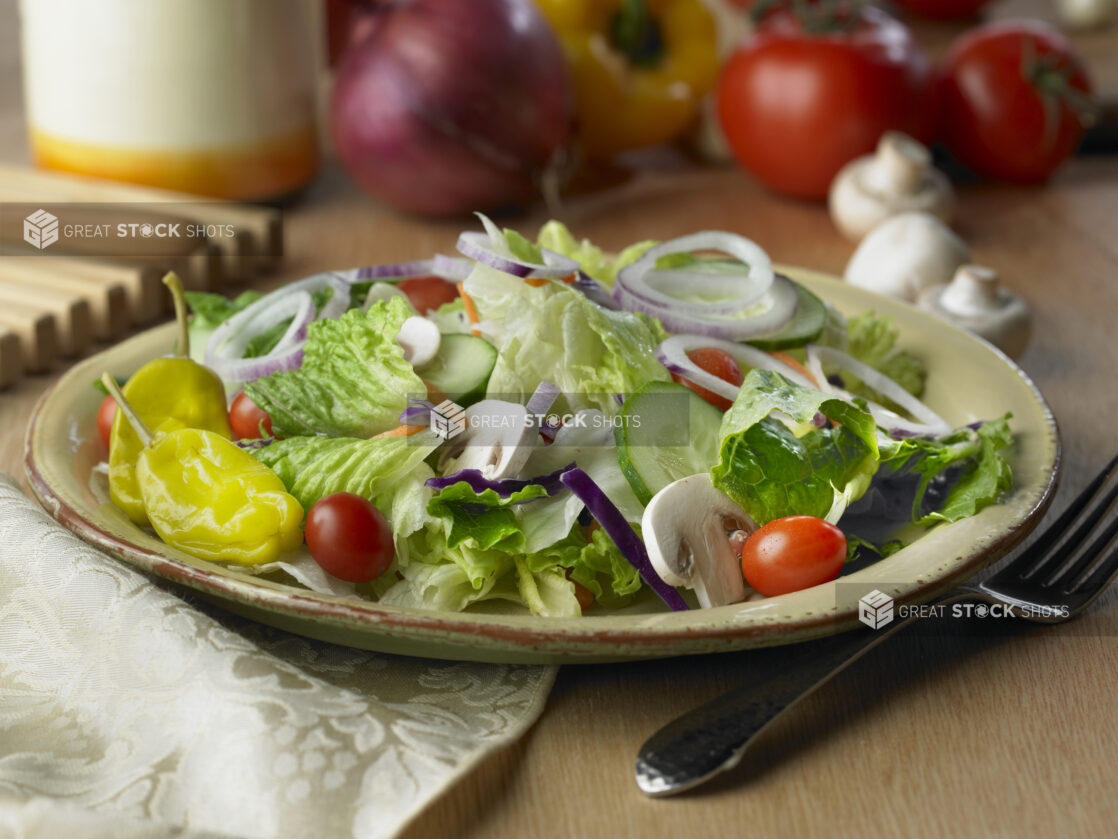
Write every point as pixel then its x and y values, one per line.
pixel 815 87
pixel 445 107
pixel 943 9
pixel 640 68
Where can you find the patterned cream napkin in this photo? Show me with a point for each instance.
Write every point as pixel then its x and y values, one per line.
pixel 126 712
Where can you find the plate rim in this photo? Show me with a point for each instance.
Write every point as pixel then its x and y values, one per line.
pixel 478 636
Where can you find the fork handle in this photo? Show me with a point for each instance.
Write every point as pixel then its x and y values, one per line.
pixel 713 737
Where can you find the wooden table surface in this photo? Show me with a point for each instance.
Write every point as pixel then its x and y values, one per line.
pixel 951 734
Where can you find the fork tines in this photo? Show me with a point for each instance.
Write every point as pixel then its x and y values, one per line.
pixel 1061 553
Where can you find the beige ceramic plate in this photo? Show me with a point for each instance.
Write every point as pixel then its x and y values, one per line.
pixel 968 380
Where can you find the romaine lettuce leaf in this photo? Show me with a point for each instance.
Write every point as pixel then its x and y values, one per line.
pixel 966 468
pixel 354 381
pixel 486 519
pixel 554 333
pixel 773 470
pixel 389 471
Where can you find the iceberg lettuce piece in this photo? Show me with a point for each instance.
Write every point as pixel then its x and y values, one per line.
pixel 353 382
pixel 555 236
pixel 554 333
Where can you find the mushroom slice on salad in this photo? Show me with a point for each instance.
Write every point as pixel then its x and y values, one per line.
pixel 685 528
pixel 498 438
pixel 419 338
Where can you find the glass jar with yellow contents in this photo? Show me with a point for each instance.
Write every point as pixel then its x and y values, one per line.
pixel 212 97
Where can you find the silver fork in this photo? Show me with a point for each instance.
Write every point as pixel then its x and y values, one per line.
pixel 1053 579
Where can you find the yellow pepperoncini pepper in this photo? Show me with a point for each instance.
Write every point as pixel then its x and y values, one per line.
pixel 166 393
pixel 206 496
pixel 639 67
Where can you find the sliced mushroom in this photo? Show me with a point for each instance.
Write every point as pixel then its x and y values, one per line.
pixel 420 339
pixel 897 178
pixel 686 529
pixel 498 439
pixel 906 254
pixel 974 300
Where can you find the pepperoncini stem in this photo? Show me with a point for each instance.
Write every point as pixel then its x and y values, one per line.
pixel 138 425
pixel 172 281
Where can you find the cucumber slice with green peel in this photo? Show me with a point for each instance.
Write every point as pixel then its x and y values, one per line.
pixel 665 432
pixel 804 327
pixel 461 368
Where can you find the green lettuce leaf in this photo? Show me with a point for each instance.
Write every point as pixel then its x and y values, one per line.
pixel 389 471
pixel 487 520
pixel 773 470
pixel 555 236
pixel 968 462
pixel 872 339
pixel 354 381
pixel 554 333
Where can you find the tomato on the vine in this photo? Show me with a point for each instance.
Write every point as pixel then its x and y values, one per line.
pixel 718 363
pixel 427 293
pixel 803 97
pixel 1015 100
pixel 792 553
pixel 248 420
pixel 347 535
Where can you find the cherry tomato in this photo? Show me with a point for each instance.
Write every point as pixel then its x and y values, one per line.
pixel 718 363
pixel 796 106
pixel 105 415
pixel 245 418
pixel 943 9
pixel 349 537
pixel 792 553
pixel 1014 100
pixel 426 293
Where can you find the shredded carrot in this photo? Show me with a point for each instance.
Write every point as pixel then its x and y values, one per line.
pixel 433 393
pixel 795 365
pixel 536 282
pixel 470 307
pixel 401 431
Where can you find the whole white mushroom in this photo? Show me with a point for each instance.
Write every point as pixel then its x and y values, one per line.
pixel 906 254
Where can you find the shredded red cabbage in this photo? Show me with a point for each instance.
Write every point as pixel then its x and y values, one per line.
pixel 622 534
pixel 504 487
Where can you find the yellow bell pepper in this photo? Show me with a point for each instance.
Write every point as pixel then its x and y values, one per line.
pixel 639 67
pixel 206 496
pixel 166 393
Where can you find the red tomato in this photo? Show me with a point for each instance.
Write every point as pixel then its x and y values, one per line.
pixel 349 537
pixel 426 293
pixel 943 9
pixel 796 106
pixel 792 553
pixel 245 418
pixel 1014 98
pixel 718 363
pixel 105 415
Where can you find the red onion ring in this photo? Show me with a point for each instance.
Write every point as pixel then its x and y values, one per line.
pixel 672 353
pixel 479 247
pixel 783 301
pixel 451 268
pixel 634 279
pixel 926 422
pixel 226 346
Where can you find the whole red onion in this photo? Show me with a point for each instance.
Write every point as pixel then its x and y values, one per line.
pixel 446 106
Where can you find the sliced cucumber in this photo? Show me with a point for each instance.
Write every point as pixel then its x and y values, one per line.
pixel 804 327
pixel 665 432
pixel 461 368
